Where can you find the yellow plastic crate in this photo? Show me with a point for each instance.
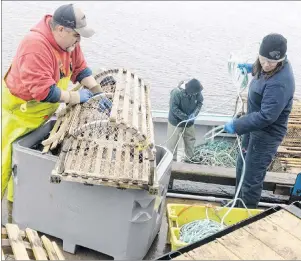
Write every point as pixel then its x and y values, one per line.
pixel 181 214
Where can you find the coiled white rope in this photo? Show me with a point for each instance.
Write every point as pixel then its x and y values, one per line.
pixel 199 229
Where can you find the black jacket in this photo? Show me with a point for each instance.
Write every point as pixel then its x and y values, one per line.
pixel 269 105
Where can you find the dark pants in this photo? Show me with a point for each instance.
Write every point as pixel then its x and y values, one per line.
pixel 258 154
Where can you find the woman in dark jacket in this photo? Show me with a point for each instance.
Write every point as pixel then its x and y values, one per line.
pixel 264 126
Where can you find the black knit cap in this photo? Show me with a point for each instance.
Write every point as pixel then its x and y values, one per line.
pixel 273 47
pixel 193 86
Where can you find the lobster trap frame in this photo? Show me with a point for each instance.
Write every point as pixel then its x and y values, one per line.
pixel 107 147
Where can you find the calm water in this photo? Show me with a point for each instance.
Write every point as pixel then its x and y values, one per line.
pixel 165 42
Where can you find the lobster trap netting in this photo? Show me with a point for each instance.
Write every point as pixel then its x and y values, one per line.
pixel 293 136
pixel 108 140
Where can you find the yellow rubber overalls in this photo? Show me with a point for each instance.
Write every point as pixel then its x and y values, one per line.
pixel 20 117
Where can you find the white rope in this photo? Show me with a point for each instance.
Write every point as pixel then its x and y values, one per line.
pixel 199 229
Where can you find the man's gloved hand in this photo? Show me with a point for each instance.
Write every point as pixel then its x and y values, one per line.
pixel 75 97
pixel 247 66
pixel 191 117
pixel 84 95
pixel 105 105
pixel 229 127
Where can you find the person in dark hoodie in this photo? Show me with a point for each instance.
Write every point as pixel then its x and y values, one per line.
pixel 185 104
pixel 264 126
pixel 36 83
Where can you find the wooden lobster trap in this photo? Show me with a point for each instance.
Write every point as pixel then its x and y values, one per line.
pixel 289 153
pixel 293 136
pixel 107 144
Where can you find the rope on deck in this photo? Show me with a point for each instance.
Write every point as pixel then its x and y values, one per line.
pixel 216 153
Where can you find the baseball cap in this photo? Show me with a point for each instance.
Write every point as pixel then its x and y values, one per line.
pixel 72 17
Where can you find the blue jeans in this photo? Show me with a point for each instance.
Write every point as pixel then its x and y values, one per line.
pixel 258 154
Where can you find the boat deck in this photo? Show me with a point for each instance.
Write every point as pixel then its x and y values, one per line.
pixel 275 237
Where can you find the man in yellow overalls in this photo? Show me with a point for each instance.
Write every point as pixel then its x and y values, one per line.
pixel 36 83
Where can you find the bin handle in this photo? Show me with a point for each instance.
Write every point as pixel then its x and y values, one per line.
pixel 141 217
pixel 14 170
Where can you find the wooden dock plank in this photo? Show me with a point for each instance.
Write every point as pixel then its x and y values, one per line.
pixel 285 244
pixel 287 221
pixel 5 235
pixel 37 246
pixel 292 160
pixel 58 251
pixel 16 242
pixel 49 248
pixel 292 151
pixel 5 243
pixel 184 256
pixel 213 251
pixel 246 246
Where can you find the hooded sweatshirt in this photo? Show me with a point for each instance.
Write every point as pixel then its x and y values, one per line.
pixel 185 100
pixel 35 67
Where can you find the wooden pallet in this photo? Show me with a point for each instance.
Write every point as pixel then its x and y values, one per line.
pixel 294 151
pixel 27 245
pixel 115 149
pixel 291 164
pixel 275 237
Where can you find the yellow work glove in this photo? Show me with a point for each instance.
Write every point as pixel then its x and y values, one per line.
pixel 75 97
